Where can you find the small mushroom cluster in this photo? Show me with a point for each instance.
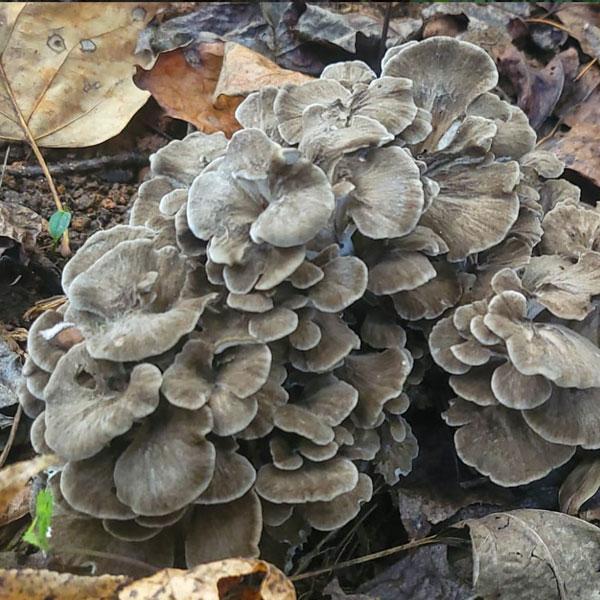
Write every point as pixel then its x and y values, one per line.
pixel 525 361
pixel 231 368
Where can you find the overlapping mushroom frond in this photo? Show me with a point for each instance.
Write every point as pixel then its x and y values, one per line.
pixel 524 361
pixel 233 364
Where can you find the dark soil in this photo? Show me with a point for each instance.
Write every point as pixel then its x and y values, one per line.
pixel 98 199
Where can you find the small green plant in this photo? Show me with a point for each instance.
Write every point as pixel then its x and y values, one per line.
pixel 58 224
pixel 38 532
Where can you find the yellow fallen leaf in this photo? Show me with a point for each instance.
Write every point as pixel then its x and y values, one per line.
pixel 245 71
pixel 31 584
pixel 69 67
pixel 15 477
pixel 231 579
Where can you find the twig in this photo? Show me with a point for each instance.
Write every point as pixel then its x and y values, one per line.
pixel 376 555
pixel 151 569
pixel 385 29
pixel 586 69
pixel 4 165
pixel 11 436
pixel 65 250
pixel 550 24
pixel 548 136
pixel 84 165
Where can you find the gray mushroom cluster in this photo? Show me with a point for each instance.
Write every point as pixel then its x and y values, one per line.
pixel 232 366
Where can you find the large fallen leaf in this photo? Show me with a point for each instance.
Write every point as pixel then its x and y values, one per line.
pixel 533 554
pixel 15 477
pixel 231 579
pixel 31 584
pixel 70 67
pixel 203 84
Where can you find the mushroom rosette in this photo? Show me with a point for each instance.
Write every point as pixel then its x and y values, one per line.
pixel 236 362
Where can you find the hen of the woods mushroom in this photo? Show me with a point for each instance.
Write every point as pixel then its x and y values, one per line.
pixel 231 368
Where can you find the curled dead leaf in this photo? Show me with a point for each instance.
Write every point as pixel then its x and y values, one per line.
pixel 70 67
pixel 32 584
pixel 203 84
pixel 245 71
pixel 183 82
pixel 234 578
pixel 19 228
pixel 15 477
pixel 231 579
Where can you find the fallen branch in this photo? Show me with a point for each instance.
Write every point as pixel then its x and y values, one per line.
pixel 81 165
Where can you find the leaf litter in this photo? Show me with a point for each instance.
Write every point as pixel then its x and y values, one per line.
pixel 546 553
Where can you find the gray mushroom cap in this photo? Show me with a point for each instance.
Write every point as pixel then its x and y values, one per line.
pixel 168 464
pixel 90 402
pixel 128 303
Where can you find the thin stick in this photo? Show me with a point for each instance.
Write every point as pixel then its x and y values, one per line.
pixel 108 555
pixel 376 555
pixel 82 165
pixel 4 165
pixel 385 29
pixel 547 137
pixel 65 239
pixel 11 436
pixel 586 69
pixel 550 24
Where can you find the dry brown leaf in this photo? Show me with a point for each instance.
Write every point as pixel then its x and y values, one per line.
pixel 231 579
pixel 70 68
pixel 17 507
pixel 245 71
pixel 19 227
pixel 39 307
pixel 31 584
pixel 15 477
pixel 578 147
pixel 205 83
pixel 185 91
pixel 581 484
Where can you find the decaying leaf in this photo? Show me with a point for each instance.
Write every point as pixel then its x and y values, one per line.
pixel 538 90
pixel 17 507
pixel 222 580
pixel 205 83
pixel 245 71
pixel 183 83
pixel 583 21
pixel 70 69
pixel 32 584
pixel 578 146
pixel 232 579
pixel 10 374
pixel 533 554
pixel 19 228
pixel 15 477
pixel 423 574
pixel 581 484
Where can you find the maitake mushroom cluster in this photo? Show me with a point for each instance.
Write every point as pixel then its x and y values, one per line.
pixel 234 365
